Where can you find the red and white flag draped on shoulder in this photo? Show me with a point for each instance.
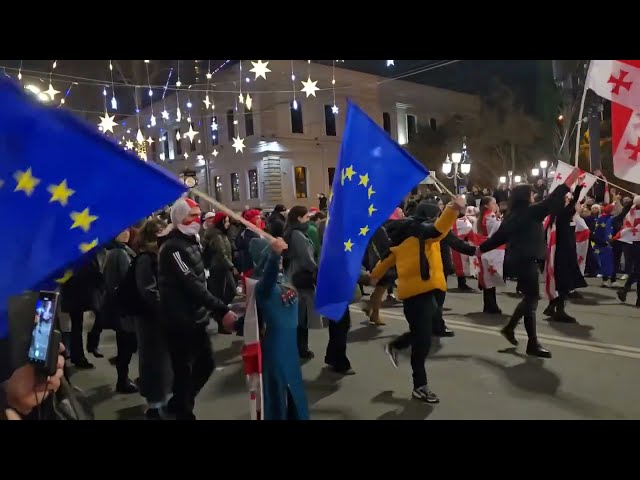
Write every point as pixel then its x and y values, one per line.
pixel 252 353
pixel 491 264
pixel 619 81
pixel 463 264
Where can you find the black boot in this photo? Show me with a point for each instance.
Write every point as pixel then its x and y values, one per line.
pixel 533 346
pixel 551 308
pixel 462 285
pixel 490 302
pixel 622 295
pixel 560 315
pixel 508 331
pixel 125 385
pixel 303 343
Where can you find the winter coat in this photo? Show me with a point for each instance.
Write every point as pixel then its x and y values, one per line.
pixel 217 257
pixel 119 258
pixel 85 290
pixel 244 263
pixel 451 241
pixel 275 224
pixel 184 297
pixel 378 248
pixel 412 280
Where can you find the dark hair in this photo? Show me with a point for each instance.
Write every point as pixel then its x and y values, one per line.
pixel 520 197
pixel 148 233
pixel 318 216
pixel 295 213
pixel 279 208
pixel 483 208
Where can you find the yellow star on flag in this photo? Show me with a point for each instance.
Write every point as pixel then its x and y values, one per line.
pixel 372 209
pixel 65 278
pixel 26 182
pixel 371 191
pixel 348 245
pixel 364 231
pixel 364 179
pixel 82 219
pixel 350 172
pixel 597 251
pixel 86 247
pixel 342 178
pixel 60 193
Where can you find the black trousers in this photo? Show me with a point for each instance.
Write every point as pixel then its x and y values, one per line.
pixel 192 362
pixel 420 312
pixel 633 259
pixel 438 320
pixel 529 284
pixel 336 355
pixel 93 337
pixel 77 346
pixel 127 344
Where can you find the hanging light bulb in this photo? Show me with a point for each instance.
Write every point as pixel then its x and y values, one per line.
pixel 295 104
pixel 55 64
pixel 19 75
pixel 178 114
pixel 114 103
pixel 178 83
pixel 104 92
pixel 293 77
pixel 153 121
pixel 150 93
pixel 189 104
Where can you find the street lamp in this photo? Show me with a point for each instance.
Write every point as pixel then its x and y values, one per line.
pixel 502 179
pixel 457 166
pixel 517 179
pixel 535 172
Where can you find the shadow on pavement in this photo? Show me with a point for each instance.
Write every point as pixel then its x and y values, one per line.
pixel 366 334
pixel 410 409
pixel 323 386
pixel 231 381
pixel 457 290
pixel 488 319
pixel 135 412
pixel 223 356
pixel 532 376
pixel 575 330
pixel 591 298
pixel 98 395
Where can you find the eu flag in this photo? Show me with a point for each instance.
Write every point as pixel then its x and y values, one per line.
pixel 65 190
pixel 375 174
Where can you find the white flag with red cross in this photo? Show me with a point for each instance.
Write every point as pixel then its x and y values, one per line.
pixel 619 81
pixel 630 231
pixel 462 263
pixel 252 353
pixel 562 172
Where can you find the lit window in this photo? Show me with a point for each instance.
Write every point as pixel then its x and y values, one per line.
pixel 253 183
pixel 217 180
pixel 301 182
pixel 235 187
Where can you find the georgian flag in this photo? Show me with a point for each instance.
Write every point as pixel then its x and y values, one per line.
pixel 491 264
pixel 462 263
pixel 582 241
pixel 562 172
pixel 630 231
pixel 252 353
pixel 619 81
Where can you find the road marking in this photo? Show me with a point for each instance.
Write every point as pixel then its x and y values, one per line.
pixel 575 344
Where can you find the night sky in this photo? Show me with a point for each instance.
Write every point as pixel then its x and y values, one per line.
pixel 470 76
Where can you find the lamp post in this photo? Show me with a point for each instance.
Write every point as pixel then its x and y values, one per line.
pixel 457 165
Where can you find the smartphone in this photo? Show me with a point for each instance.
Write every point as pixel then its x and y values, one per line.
pixel 43 353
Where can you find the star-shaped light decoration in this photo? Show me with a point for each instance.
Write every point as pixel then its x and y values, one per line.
pixel 26 182
pixel 162 156
pixel 215 152
pixel 82 219
pixel 139 136
pixel 214 125
pixel 129 145
pixel 206 102
pixel 178 137
pixel 191 133
pixel 60 193
pixel 390 63
pixel 52 92
pixel 335 109
pixel 150 140
pixel 186 155
pixel 248 102
pixel 165 115
pixel 153 121
pixel 310 87
pixel 260 69
pixel 107 123
pixel 240 98
pixel 178 114
pixel 238 144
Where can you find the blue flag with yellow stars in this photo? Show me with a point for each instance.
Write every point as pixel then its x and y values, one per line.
pixel 375 174
pixel 65 190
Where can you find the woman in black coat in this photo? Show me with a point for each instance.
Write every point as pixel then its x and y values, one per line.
pixel 567 274
pixel 523 232
pixel 154 362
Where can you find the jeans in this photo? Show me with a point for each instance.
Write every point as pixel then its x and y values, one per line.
pixel 420 312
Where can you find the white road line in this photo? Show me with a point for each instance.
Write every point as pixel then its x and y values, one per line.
pixel 575 344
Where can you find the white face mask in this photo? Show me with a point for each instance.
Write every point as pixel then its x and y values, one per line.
pixel 191 229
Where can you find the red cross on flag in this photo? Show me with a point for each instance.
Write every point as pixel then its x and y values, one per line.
pixel 619 81
pixel 630 231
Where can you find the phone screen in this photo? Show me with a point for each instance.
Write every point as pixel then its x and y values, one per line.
pixel 43 327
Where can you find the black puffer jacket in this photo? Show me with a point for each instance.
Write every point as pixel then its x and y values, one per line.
pixel 184 296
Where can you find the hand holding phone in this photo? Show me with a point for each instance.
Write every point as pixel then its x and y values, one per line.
pixel 45 340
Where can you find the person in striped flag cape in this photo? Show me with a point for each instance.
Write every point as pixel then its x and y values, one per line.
pixel 630 233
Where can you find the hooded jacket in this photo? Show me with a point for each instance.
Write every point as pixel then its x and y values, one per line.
pixel 404 256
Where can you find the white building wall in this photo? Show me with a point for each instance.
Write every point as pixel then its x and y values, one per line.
pixel 273 142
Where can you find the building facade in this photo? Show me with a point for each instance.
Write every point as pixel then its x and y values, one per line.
pixel 291 140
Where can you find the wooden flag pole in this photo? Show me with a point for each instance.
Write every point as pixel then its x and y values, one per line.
pixel 584 97
pixel 233 215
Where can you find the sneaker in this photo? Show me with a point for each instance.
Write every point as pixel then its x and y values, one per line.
pixel 599 275
pixel 392 353
pixel 606 283
pixel 624 277
pixel 617 284
pixel 424 394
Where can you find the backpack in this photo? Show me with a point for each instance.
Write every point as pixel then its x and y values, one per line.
pixel 127 297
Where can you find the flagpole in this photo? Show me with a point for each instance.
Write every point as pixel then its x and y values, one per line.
pixel 584 97
pixel 233 215
pixel 617 186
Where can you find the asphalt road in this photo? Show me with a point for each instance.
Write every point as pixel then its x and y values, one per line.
pixel 476 374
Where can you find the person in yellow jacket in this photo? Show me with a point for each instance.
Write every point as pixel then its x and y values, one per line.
pixel 416 255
